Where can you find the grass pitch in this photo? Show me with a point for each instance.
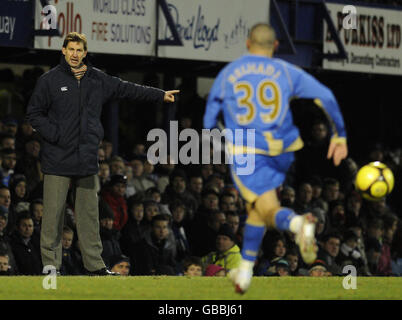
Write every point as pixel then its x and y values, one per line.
pixel 197 288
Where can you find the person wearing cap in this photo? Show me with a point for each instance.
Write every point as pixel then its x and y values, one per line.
pixel 113 195
pixel 318 269
pixel 227 254
pixel 120 264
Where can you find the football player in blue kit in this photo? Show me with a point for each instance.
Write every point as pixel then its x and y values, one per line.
pixel 253 92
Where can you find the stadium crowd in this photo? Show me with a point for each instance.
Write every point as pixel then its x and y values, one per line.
pixel 174 219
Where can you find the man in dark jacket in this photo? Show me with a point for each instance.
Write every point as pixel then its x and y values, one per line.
pixel 65 108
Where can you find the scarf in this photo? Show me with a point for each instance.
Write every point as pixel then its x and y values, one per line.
pixel 79 72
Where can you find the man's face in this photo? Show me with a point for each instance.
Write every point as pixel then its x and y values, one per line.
pixel 3 223
pixel 123 268
pixel 25 228
pixel 74 53
pixel 138 168
pixel 206 171
pixel 319 131
pixel 37 211
pixel 104 171
pixel 318 273
pixel 305 193
pixel 20 189
pixel 67 240
pixel 4 263
pixel 160 229
pixel 193 271
pixel 178 214
pixel 150 211
pixel 179 184
pixel 117 167
pixel 5 198
pixel 280 249
pixel 332 246
pixel 196 184
pixel 293 261
pixel 211 201
pixel 331 192
pixel 9 161
pixel 223 243
pixel 138 212
pixel 33 148
pixel 233 221
pixel 228 204
pixel 218 220
pixel 8 143
pixel 119 189
pixel 26 129
pixel 282 272
pixel 107 223
pixel 11 128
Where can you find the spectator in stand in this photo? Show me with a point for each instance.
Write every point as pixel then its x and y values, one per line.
pixel 25 247
pixel 134 231
pixel 396 251
pixel 8 162
pixel 192 266
pixel 384 263
pixel 29 164
pixel 149 169
pixel 226 253
pixel 177 190
pixel 349 253
pixel 227 202
pixel 5 245
pixel 108 147
pixel 336 215
pixel 113 195
pixel 36 210
pixel 156 253
pixel 117 166
pixel 7 141
pixel 304 196
pixel 353 208
pixel 195 187
pixel 141 182
pixel 71 264
pixel 151 209
pixel 375 229
pixel 292 257
pixel 209 202
pixel 109 235
pixel 101 155
pixel 322 224
pixel 274 247
pixel 330 190
pixel 233 220
pixel 288 195
pixel 19 196
pixel 373 252
pixel 317 201
pixel 103 174
pixel 280 268
pixel 207 170
pixel 120 264
pixel 202 236
pixel 163 171
pixel 217 181
pixel 318 269
pixel 179 211
pixel 329 251
pixel 24 134
pixel 130 189
pixel 5 268
pixel 10 126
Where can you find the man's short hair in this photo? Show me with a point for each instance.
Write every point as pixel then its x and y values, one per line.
pixel 67 229
pixel 23 215
pixel 160 217
pixel 332 235
pixel 191 260
pixel 75 37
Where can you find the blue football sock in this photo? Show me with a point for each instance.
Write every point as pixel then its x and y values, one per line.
pixel 283 218
pixel 251 242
